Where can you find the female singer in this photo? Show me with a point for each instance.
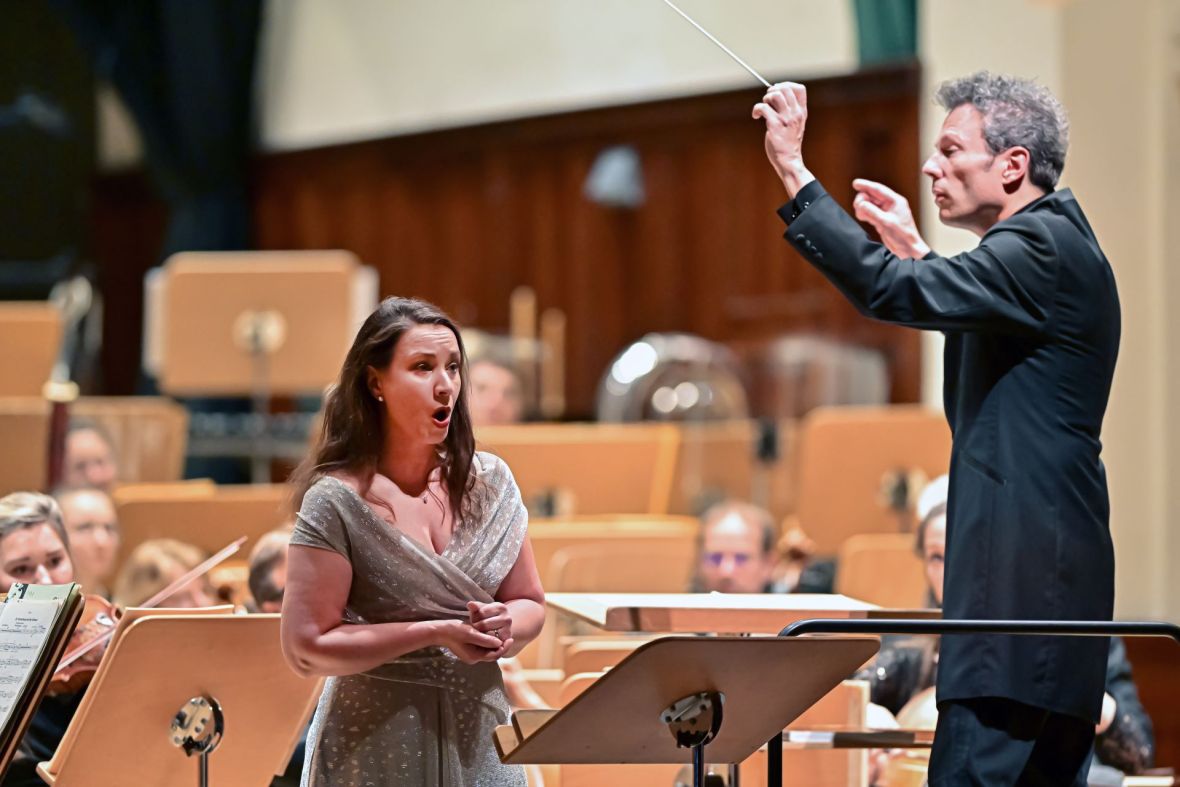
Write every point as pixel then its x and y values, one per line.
pixel 409 572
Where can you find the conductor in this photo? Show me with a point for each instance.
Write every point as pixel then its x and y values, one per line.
pixel 1031 317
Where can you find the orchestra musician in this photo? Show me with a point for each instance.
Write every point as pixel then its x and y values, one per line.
pixel 34 549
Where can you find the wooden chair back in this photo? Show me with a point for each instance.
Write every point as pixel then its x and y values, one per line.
pixel 207 521
pixel 718 460
pixel 150 434
pixel 848 459
pixel 30 339
pixel 589 468
pixel 883 569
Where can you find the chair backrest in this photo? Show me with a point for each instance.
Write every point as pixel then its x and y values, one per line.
pixel 24 445
pixel 589 468
pixel 622 567
pixel 718 460
pixel 847 458
pixel 30 338
pixel 595 654
pixel 207 521
pixel 842 707
pixel 883 569
pixel 150 434
pixel 639 535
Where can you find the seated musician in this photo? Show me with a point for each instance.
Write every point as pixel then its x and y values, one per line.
pixel 89 456
pixel 496 395
pixel 737 554
pixel 34 549
pixel 268 571
pixel 93 530
pixel 154 565
pixel 902 676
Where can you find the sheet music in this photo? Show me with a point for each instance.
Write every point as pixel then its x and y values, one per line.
pixel 25 628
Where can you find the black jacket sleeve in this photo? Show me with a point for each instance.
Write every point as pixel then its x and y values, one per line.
pixel 1006 284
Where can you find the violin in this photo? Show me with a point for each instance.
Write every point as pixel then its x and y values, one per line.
pixel 100 619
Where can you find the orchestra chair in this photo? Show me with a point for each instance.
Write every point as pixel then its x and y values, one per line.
pixel 844 707
pixel 30 339
pixel 148 435
pixel 620 566
pixel 718 461
pixel 588 468
pixel 850 462
pixel 180 490
pixel 24 458
pixel 643 534
pixel 596 654
pixel 882 569
pixel 206 520
pixel 607 553
pixel 546 682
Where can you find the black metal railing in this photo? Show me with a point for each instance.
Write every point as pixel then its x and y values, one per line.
pixel 1057 628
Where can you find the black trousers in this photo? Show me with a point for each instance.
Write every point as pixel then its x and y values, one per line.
pixel 994 741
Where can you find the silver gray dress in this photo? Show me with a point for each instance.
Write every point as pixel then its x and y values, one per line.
pixel 425 718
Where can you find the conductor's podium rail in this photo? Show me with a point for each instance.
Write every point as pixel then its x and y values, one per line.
pixel 879 626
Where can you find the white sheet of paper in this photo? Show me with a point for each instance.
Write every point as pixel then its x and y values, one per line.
pixel 24 632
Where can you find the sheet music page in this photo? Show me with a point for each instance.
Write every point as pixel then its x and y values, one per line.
pixel 25 628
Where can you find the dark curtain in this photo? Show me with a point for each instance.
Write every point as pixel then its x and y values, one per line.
pixel 185 69
pixel 886 30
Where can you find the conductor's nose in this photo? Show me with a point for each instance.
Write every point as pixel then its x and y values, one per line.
pixel 931 167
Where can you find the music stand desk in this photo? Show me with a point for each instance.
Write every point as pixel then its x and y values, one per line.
pixel 121 732
pixel 305 304
pixel 721 613
pixel 618 719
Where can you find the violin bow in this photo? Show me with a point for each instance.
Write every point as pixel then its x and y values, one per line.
pixel 174 586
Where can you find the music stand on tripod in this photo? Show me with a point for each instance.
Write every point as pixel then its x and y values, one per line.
pixel 257 324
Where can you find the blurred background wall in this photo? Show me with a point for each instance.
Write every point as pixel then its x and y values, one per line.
pixel 331 74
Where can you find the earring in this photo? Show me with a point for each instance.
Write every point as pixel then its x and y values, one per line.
pixel 380 398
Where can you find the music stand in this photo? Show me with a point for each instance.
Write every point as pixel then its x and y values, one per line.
pixel 721 613
pixel 257 324
pixel 121 732
pixel 675 697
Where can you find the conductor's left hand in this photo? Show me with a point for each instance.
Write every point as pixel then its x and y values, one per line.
pixel 784 110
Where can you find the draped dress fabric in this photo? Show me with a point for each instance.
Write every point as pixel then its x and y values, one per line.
pixel 425 718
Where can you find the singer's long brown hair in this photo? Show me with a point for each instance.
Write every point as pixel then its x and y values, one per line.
pixel 353 431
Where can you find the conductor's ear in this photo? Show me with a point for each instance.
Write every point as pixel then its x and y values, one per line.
pixel 1017 162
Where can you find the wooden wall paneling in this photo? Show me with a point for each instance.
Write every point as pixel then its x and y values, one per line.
pixel 463 216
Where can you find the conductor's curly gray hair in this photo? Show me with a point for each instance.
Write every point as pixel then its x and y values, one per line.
pixel 1016 113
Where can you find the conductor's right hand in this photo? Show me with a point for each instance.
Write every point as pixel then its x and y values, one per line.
pixel 784 110
pixel 469 645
